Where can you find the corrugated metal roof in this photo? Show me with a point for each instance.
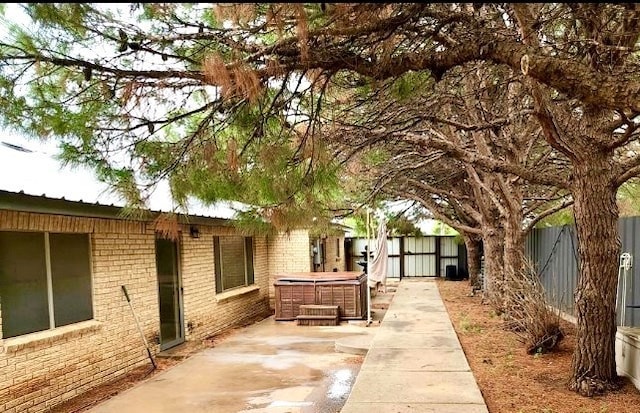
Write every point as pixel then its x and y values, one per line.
pixel 30 167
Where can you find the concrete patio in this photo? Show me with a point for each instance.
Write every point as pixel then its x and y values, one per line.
pixel 414 364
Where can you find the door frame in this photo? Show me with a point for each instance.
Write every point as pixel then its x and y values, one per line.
pixel 178 264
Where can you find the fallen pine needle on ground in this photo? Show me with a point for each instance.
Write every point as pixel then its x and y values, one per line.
pixel 512 381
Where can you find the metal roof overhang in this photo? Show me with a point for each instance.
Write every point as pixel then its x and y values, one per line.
pixel 18 201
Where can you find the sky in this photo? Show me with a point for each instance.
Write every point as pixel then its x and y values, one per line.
pixel 35 171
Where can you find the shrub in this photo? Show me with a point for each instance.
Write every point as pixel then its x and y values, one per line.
pixel 528 314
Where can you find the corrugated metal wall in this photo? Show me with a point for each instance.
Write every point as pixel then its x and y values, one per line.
pixel 554 253
pixel 358 248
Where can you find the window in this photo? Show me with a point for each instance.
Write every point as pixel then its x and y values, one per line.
pixel 233 261
pixel 45 281
pixel 337 247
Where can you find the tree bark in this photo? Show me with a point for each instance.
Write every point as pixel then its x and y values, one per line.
pixel 473 245
pixel 596 214
pixel 513 244
pixel 492 241
pixel 513 263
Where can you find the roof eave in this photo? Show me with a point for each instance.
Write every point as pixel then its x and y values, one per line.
pixel 19 201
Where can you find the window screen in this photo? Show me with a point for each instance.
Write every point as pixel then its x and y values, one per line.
pixel 70 278
pixel 233 262
pixel 24 284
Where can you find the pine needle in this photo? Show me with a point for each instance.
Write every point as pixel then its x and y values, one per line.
pixel 232 155
pixel 275 69
pixel 167 227
pixel 302 30
pixel 216 73
pixel 247 83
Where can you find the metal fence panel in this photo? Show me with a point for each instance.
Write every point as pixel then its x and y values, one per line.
pixel 393 267
pixel 447 261
pixel 448 247
pixel 411 256
pixel 420 265
pixel 393 264
pixel 554 253
pixel 420 245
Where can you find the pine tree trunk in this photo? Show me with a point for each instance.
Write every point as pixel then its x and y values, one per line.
pixel 473 247
pixel 492 241
pixel 513 267
pixel 513 246
pixel 596 214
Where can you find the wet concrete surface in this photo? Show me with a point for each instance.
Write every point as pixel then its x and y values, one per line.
pixel 268 367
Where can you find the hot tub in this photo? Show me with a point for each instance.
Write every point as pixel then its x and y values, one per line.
pixel 346 289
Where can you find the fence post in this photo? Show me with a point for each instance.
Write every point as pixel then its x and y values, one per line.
pixel 401 247
pixel 438 255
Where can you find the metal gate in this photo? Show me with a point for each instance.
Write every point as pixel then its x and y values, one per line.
pixel 426 256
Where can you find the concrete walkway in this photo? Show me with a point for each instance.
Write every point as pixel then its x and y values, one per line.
pixel 415 362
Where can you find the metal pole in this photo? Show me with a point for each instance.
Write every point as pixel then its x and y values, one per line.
pixel 626 262
pixel 135 316
pixel 368 271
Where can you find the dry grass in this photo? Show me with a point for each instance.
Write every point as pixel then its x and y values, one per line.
pixel 527 313
pixel 512 381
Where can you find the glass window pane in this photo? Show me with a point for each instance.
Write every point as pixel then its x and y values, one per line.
pixel 216 254
pixel 23 283
pixel 70 278
pixel 249 250
pixel 232 262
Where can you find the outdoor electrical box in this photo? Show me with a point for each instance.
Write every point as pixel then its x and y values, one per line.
pixel 451 273
pixel 318 252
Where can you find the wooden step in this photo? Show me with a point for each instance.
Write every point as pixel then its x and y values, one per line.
pixel 316 317
pixel 315 309
pixel 317 320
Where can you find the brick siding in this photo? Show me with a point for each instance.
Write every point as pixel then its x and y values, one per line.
pixel 40 370
pixel 287 253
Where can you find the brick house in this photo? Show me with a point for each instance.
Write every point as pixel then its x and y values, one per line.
pixel 65 325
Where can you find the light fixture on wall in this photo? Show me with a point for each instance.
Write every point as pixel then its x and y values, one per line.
pixel 194 231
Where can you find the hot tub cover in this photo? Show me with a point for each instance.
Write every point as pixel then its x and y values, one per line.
pixel 320 276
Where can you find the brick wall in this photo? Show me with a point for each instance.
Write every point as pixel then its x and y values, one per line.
pixel 42 369
pixel 205 313
pixel 287 253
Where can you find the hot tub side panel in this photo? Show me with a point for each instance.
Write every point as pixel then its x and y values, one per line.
pixel 349 295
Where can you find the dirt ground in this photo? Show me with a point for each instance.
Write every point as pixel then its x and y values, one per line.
pixel 512 381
